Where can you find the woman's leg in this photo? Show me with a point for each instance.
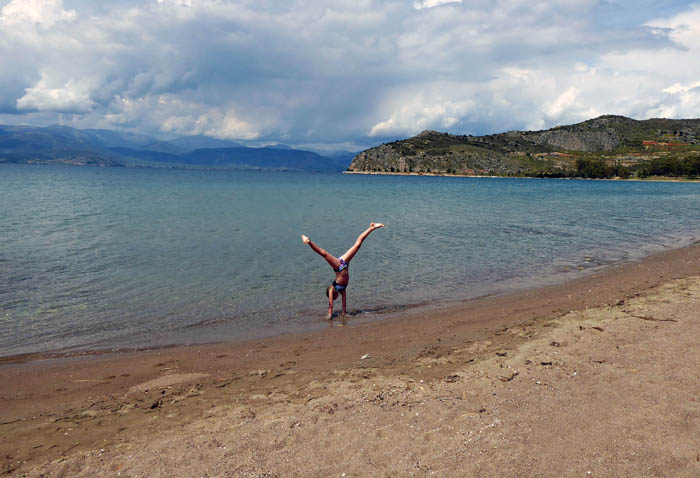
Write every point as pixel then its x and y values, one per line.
pixel 333 261
pixel 350 253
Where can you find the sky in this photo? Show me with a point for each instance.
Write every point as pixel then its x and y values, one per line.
pixel 344 74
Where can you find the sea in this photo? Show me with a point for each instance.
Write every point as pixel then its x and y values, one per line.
pixel 98 259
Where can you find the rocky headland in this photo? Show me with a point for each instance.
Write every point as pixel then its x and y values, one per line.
pixel 607 146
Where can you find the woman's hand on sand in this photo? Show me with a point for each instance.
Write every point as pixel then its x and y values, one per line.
pixel 304 239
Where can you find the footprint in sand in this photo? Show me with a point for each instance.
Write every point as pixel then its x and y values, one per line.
pixel 166 381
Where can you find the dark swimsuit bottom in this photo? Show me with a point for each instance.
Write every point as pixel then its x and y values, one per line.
pixel 339 287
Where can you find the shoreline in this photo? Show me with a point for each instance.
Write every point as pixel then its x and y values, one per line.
pixel 392 313
pixel 58 411
pixel 651 179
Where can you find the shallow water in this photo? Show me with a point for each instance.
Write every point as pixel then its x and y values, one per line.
pixel 101 258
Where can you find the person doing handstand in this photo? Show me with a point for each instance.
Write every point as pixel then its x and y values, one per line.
pixel 340 267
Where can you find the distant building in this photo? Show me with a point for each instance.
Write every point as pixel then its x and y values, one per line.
pixel 661 144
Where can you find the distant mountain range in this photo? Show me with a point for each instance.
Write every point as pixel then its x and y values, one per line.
pixel 98 147
pixel 606 146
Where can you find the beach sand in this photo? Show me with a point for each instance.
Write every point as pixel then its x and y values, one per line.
pixel 599 376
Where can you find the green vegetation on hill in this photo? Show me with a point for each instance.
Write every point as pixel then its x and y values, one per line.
pixel 604 147
pixel 671 166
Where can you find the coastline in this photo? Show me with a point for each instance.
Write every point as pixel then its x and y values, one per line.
pixel 56 410
pixel 666 179
pixel 396 312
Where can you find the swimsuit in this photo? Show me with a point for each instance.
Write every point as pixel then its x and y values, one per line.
pixel 339 287
pixel 343 265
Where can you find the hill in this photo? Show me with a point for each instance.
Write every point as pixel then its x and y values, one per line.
pixel 602 147
pixel 234 158
pixel 96 147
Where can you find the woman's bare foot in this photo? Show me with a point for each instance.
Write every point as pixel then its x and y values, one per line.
pixel 329 316
pixel 304 239
pixel 376 225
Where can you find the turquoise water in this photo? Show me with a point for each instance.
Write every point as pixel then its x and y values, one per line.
pixel 96 258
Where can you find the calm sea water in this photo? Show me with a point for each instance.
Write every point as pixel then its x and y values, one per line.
pixel 96 258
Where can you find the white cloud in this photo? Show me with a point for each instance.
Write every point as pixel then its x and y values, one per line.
pixel 44 13
pixel 227 126
pixel 565 101
pixel 415 112
pixel 683 28
pixel 432 3
pixel 185 3
pixel 580 67
pixel 679 88
pixel 190 118
pixel 683 101
pixel 72 96
pixel 518 73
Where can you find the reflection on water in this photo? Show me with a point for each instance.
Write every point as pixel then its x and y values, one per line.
pixel 95 258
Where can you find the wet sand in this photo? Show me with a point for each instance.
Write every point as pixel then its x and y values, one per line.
pixel 599 376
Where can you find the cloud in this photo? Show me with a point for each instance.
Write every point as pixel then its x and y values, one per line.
pixel 432 3
pixel 42 13
pixel 211 122
pixel 564 102
pixel 678 88
pixel 424 107
pixel 345 71
pixel 683 100
pixel 186 3
pixel 683 29
pixel 70 97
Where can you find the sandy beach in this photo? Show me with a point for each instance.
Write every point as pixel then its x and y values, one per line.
pixel 599 376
